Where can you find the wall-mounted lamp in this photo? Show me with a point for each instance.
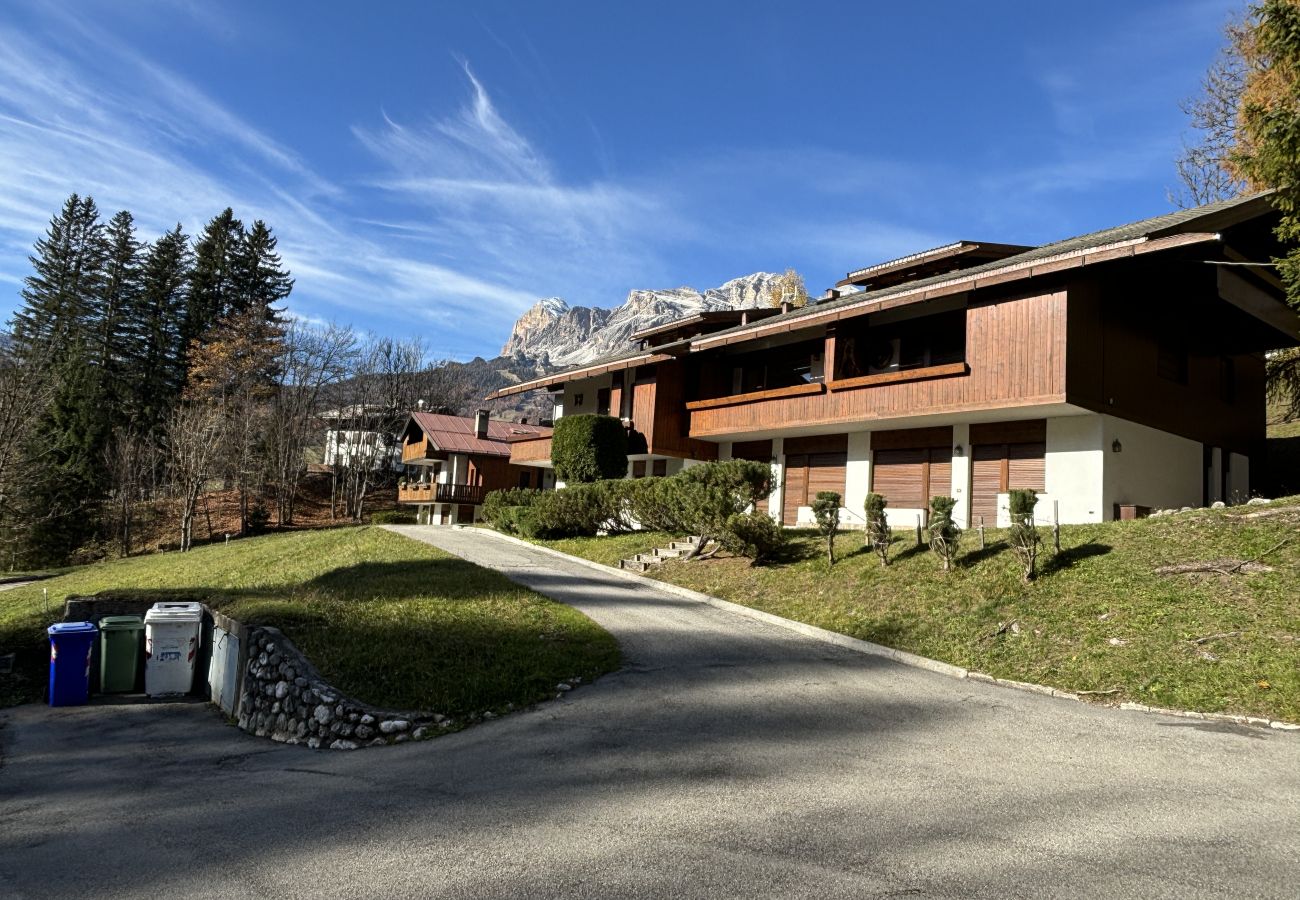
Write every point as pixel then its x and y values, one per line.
pixel 957 451
pixel 1116 446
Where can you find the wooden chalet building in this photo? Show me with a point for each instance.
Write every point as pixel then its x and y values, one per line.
pixel 1114 372
pixel 452 462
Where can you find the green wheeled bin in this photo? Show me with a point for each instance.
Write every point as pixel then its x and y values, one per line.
pixel 120 638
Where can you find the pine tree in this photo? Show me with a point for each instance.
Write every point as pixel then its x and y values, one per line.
pixel 119 294
pixel 214 279
pixel 60 295
pixel 262 280
pixel 155 364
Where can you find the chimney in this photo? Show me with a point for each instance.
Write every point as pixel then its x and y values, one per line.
pixel 785 306
pixel 481 423
pixel 523 420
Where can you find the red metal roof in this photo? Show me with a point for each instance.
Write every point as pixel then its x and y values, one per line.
pixel 456 434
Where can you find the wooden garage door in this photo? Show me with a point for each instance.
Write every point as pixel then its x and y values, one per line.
pixel 795 492
pixel 997 468
pixel 907 479
pixel 806 474
pixel 899 476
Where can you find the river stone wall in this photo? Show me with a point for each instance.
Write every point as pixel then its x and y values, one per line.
pixel 284 698
pixel 281 695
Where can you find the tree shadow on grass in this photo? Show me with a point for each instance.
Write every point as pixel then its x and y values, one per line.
pixel 1069 557
pixel 988 551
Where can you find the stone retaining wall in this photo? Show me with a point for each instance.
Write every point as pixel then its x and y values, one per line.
pixel 284 698
pixel 280 693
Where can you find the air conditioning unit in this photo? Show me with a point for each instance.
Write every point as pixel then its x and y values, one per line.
pixel 884 356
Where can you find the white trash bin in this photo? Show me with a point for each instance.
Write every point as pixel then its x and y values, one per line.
pixel 171 642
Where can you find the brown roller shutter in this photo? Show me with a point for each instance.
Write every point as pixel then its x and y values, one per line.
pixel 898 476
pixel 1026 466
pixel 826 472
pixel 796 487
pixel 940 479
pixel 997 468
pixel 986 484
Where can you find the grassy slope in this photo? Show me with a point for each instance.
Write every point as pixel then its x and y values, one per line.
pixel 388 620
pixel 1101 587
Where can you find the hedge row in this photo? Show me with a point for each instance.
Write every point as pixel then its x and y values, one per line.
pixel 713 501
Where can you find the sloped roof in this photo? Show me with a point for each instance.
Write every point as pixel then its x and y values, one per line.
pixel 1210 217
pixel 456 434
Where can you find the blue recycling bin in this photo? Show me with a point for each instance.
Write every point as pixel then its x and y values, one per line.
pixel 70 647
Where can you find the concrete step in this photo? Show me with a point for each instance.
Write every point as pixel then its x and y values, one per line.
pixel 682 545
pixel 669 553
pixel 633 565
pixel 650 558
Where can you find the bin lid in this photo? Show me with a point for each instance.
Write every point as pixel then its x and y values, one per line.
pixel 121 623
pixel 161 613
pixel 71 628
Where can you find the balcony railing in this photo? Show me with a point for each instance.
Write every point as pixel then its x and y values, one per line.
pixel 470 494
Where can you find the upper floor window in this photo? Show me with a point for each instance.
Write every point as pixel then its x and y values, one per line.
pixel 916 343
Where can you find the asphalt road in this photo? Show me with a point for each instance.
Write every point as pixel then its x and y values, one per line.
pixel 728 758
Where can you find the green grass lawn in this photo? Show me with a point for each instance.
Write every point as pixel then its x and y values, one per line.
pixel 386 619
pixel 1098 618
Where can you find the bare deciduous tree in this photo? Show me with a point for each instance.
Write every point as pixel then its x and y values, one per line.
pixel 312 360
pixel 1205 167
pixel 195 437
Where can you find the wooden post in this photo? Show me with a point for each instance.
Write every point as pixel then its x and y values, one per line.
pixel 919 542
pixel 1056 525
pixel 981 527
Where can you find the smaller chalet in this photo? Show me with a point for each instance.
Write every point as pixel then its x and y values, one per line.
pixel 452 462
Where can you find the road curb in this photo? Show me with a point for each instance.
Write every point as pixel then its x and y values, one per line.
pixel 867 647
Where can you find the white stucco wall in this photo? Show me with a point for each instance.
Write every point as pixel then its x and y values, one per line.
pixel 775 502
pixel 961 474
pixel 857 479
pixel 1153 468
pixel 1238 479
pixel 1216 475
pixel 1075 468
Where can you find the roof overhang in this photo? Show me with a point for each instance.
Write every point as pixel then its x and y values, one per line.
pixel 960 283
pixel 591 371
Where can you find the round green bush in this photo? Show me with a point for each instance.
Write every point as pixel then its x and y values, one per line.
pixel 589 448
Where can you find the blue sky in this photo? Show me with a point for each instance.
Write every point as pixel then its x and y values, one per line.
pixel 434 168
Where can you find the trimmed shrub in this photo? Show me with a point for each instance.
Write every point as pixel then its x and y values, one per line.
pixel 1024 537
pixel 826 508
pixel 945 535
pixel 580 510
pixel 496 503
pixel 702 499
pixel 589 448
pixel 393 517
pixel 877 532
pixel 754 535
pixel 650 503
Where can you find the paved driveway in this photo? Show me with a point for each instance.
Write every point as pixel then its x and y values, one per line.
pixel 729 758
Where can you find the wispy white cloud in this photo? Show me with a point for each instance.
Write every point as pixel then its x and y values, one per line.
pixel 90 115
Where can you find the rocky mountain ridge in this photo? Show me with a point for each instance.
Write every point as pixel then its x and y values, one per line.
pixel 553 334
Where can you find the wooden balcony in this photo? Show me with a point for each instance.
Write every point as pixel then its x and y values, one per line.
pixel 420 451
pixel 530 452
pixel 468 494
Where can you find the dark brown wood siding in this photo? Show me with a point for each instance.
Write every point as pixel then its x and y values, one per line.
pixel 1015 350
pixel 1121 325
